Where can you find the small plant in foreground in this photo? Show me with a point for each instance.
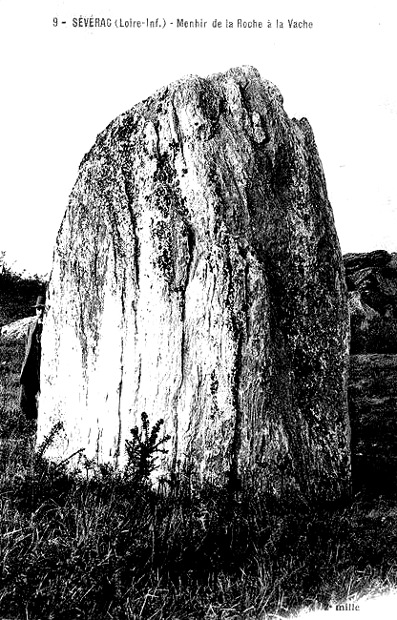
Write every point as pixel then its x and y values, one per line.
pixel 144 447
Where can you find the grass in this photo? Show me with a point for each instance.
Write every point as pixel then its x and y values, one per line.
pixel 104 544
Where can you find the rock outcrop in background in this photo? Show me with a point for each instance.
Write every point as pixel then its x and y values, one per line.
pixel 197 276
pixel 372 285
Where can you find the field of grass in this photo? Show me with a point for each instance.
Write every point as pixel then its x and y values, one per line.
pixel 106 545
pixel 102 544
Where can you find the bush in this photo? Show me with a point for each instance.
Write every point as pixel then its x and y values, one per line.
pixel 143 449
pixel 17 292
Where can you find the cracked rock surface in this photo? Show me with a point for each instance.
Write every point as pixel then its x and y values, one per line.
pixel 197 276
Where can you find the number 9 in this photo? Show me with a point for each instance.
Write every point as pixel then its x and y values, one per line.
pixel 55 22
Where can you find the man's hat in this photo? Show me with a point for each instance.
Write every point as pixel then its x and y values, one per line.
pixel 40 303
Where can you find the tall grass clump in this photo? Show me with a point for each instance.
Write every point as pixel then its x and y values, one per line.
pixel 101 543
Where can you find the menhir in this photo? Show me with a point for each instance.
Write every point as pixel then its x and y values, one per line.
pixel 197 277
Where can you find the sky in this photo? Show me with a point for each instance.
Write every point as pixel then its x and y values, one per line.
pixel 61 85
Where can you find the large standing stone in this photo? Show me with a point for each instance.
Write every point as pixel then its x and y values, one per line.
pixel 197 276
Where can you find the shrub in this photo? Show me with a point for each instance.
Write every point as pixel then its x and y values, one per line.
pixel 144 448
pixel 17 292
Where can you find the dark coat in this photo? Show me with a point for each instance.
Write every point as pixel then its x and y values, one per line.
pixel 30 372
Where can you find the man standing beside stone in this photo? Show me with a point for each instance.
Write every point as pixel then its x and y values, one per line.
pixel 30 373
